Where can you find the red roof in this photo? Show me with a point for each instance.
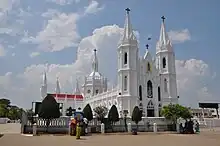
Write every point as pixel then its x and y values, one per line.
pixel 69 96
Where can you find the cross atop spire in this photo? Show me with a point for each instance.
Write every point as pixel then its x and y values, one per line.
pixel 147 46
pixel 163 18
pixel 164 39
pixel 128 34
pixel 127 10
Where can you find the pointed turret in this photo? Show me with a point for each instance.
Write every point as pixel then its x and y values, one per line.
pixel 77 90
pixel 164 42
pixel 147 53
pixel 43 88
pixel 57 89
pixel 45 79
pixel 128 34
pixel 95 62
pixel 95 72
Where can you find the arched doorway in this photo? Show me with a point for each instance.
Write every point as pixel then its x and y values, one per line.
pixel 150 109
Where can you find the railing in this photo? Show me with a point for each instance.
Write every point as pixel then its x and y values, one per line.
pixel 103 95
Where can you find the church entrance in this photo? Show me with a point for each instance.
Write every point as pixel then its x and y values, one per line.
pixel 150 113
pixel 150 109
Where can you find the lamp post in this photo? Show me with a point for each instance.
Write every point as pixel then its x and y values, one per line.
pixel 125 113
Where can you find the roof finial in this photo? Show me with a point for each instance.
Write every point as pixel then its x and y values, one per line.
pixel 147 46
pixel 163 18
pixel 95 62
pixel 127 10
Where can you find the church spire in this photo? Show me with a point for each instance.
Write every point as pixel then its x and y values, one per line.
pixel 164 39
pixel 95 62
pixel 128 33
pixel 57 89
pixel 45 79
pixel 77 90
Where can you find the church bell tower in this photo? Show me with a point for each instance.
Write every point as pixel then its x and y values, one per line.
pixel 128 66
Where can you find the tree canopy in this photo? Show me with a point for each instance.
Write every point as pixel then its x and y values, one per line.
pixel 49 108
pixel 113 115
pixel 87 111
pixel 10 111
pixel 175 111
pixel 136 115
pixel 100 112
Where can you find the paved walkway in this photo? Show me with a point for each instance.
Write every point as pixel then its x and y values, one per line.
pixel 10 128
pixel 204 139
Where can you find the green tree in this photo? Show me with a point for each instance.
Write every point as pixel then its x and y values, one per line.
pixel 14 113
pixel 113 115
pixel 49 109
pixel 173 112
pixel 136 115
pixel 3 111
pixel 4 107
pixel 6 102
pixel 101 112
pixel 87 111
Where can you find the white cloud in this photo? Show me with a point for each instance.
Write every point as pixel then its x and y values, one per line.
pixel 51 13
pixel 24 88
pixel 62 2
pixel 34 54
pixel 6 5
pixel 59 33
pixel 93 7
pixel 2 51
pixel 179 36
pixel 192 75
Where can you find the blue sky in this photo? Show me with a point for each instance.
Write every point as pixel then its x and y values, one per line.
pixel 200 40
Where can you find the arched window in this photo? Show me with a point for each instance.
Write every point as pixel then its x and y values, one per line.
pixel 125 83
pixel 165 85
pixel 149 89
pixel 125 58
pixel 164 62
pixel 159 95
pixel 140 93
pixel 88 91
pixel 148 66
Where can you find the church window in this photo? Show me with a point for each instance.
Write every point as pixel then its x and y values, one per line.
pixel 164 62
pixel 148 66
pixel 140 93
pixel 125 58
pixel 125 83
pixel 149 89
pixel 165 85
pixel 88 91
pixel 96 91
pixel 159 95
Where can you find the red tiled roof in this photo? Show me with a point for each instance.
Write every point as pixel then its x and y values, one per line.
pixel 69 96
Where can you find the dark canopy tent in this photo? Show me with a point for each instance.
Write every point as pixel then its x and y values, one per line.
pixel 210 105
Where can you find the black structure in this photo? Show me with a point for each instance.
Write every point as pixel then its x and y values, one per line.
pixel 210 105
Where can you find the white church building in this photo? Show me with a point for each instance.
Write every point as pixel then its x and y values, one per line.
pixel 141 80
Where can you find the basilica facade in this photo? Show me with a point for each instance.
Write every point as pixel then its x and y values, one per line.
pixel 142 81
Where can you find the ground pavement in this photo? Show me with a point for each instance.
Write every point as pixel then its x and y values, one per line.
pixel 206 137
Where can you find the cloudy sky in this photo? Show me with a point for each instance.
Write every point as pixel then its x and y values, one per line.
pixel 63 33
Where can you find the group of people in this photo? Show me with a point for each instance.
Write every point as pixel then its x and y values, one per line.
pixel 189 127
